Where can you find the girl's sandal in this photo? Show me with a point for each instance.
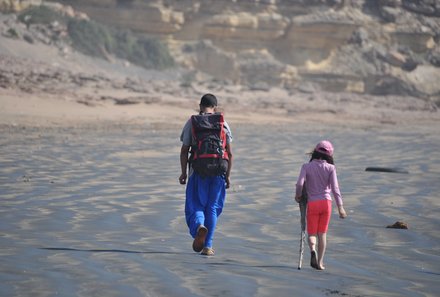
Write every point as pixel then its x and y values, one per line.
pixel 313 261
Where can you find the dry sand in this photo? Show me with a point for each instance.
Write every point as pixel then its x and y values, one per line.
pixel 91 205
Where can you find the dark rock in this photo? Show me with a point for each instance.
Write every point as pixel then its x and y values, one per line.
pixel 125 102
pixel 387 169
pixel 398 225
pixel 359 37
pixel 434 57
pixel 388 85
pixel 424 7
pixel 410 65
pixel 28 38
pixel 389 14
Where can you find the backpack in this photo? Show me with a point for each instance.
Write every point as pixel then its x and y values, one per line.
pixel 209 156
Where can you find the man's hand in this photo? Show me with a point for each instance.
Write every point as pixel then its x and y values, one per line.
pixel 183 163
pixel 298 198
pixel 228 183
pixel 182 178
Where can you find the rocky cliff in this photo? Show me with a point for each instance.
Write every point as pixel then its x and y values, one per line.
pixel 363 46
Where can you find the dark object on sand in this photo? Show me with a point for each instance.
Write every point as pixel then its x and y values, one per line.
pixel 387 169
pixel 398 225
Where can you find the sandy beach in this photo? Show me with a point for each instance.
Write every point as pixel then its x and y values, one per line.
pixel 91 205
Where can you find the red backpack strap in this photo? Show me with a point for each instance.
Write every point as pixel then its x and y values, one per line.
pixel 223 136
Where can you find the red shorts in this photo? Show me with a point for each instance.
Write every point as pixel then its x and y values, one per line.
pixel 318 216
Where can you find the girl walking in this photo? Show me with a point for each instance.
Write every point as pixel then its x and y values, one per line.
pixel 320 176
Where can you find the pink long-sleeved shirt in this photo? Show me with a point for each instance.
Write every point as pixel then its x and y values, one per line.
pixel 321 180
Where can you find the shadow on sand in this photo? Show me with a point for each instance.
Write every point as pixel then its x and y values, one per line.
pixel 106 251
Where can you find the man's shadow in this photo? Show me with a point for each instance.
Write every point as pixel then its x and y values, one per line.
pixel 106 251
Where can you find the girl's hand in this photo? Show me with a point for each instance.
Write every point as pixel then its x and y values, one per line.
pixel 342 213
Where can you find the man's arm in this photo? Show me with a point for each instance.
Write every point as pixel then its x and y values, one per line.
pixel 228 172
pixel 183 163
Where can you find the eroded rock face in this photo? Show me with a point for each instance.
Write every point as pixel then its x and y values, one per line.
pixel 17 5
pixel 246 26
pixel 142 16
pixel 340 45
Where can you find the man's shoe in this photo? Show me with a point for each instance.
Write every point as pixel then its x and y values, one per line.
pixel 199 240
pixel 207 251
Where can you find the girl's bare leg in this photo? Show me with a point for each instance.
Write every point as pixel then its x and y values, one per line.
pixel 313 257
pixel 312 242
pixel 322 244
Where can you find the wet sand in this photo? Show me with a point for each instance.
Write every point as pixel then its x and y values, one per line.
pixel 97 211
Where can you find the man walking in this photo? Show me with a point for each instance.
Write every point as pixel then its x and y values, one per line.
pixel 206 147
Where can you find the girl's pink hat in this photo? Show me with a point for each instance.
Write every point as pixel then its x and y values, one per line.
pixel 325 147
